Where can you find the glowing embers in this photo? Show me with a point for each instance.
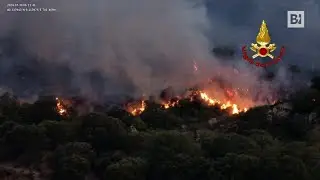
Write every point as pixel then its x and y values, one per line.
pixel 61 107
pixel 136 108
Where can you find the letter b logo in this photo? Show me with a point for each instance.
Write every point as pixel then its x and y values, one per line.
pixel 295 19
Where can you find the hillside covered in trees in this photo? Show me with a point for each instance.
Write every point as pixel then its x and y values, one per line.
pixel 187 142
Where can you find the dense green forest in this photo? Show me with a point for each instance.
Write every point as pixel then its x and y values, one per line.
pixel 187 142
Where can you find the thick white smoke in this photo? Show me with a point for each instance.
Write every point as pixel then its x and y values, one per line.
pixel 140 47
pixel 151 43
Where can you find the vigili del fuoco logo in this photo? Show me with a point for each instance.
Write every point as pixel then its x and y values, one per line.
pixel 262 49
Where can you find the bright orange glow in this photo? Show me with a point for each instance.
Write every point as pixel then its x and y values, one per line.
pixel 218 93
pixel 170 104
pixel 137 108
pixel 212 102
pixel 61 108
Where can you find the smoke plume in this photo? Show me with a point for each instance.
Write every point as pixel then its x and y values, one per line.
pixel 138 47
pixel 115 47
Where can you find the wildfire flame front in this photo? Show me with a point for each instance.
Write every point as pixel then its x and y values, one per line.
pixel 138 108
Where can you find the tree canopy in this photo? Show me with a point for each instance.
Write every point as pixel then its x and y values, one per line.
pixel 188 142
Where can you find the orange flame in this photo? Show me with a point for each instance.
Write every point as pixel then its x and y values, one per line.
pixel 170 104
pixel 229 93
pixel 212 102
pixel 136 108
pixel 61 109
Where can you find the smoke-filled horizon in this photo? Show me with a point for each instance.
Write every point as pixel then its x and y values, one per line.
pixel 114 47
pixel 139 47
